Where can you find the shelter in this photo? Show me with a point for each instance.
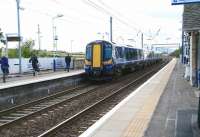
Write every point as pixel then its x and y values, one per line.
pixel 191 43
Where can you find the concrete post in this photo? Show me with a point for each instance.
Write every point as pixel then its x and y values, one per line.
pixel 182 49
pixel 186 55
pixel 193 59
pixel 19 35
pixel 198 60
pixel 111 31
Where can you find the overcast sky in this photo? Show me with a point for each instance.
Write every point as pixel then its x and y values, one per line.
pixel 87 20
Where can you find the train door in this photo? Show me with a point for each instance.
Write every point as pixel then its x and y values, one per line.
pixel 96 57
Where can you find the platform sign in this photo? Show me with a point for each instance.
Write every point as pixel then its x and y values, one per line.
pixel 176 2
pixel 13 38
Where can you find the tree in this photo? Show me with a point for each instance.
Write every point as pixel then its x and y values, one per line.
pixel 176 53
pixel 2 38
pixel 27 47
pixel 12 53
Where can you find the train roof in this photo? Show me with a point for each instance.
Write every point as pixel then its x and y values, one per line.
pixel 115 44
pixel 98 41
pixel 126 46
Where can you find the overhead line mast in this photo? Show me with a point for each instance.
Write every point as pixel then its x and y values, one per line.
pixel 111 33
pixel 39 37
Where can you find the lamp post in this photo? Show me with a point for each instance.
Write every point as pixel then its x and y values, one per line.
pixel 149 46
pixel 19 35
pixel 54 38
pixel 71 44
pixel 142 38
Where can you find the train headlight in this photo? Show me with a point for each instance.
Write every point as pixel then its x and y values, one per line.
pixel 87 62
pixel 109 62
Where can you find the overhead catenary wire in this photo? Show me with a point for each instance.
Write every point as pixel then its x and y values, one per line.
pixel 101 9
pixel 72 19
pixel 117 13
pixel 98 5
pixel 77 12
pixel 110 13
pixel 67 17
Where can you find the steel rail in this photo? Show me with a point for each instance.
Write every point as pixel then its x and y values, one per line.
pixel 74 117
pixel 8 113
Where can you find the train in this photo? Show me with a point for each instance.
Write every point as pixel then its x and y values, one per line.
pixel 104 59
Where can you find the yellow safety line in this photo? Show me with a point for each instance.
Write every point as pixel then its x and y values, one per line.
pixel 139 123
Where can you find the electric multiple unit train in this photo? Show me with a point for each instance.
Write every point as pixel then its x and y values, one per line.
pixel 104 59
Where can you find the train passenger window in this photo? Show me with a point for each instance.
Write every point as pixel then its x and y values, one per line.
pixel 88 52
pixel 142 54
pixel 139 54
pixel 131 53
pixel 134 54
pixel 126 53
pixel 107 52
pixel 118 52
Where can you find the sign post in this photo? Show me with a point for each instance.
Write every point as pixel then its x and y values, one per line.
pixel 12 37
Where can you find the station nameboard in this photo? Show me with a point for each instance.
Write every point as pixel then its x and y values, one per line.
pixel 176 2
pixel 13 38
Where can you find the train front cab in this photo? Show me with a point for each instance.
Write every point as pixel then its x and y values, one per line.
pixel 98 61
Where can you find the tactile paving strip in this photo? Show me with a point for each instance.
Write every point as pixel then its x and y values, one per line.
pixel 140 121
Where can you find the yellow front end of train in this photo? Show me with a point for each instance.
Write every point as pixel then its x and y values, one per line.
pixel 96 56
pixel 98 60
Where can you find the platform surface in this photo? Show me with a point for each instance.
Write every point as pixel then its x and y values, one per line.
pixel 176 113
pixel 130 118
pixel 28 79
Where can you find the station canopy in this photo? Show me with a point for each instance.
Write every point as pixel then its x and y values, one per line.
pixel 191 18
pixel 176 2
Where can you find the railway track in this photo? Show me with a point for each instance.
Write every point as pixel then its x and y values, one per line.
pixel 78 123
pixel 25 111
pixel 36 118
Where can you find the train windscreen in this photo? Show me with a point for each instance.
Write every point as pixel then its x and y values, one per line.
pixel 107 52
pixel 88 52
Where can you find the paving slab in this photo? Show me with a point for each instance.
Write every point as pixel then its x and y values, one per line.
pixel 174 114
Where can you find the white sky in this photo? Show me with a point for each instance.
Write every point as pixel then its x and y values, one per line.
pixel 82 23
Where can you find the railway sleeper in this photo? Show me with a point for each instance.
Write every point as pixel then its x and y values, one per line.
pixel 3 121
pixel 24 112
pixel 17 114
pixel 41 105
pixel 10 117
pixel 35 107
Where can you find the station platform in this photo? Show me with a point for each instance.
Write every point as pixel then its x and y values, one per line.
pixel 155 109
pixel 19 80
